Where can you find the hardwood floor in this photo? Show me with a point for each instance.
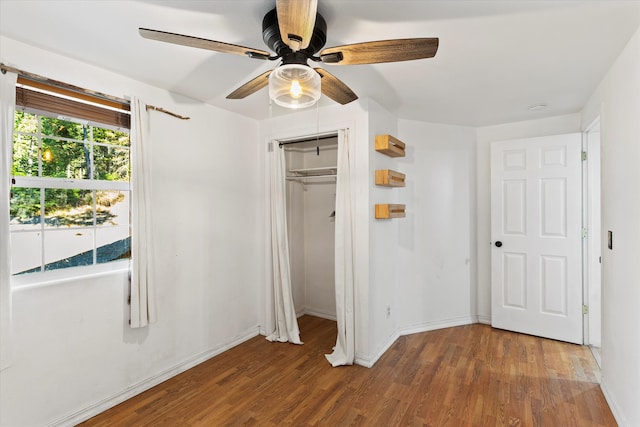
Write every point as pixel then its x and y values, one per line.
pixel 465 376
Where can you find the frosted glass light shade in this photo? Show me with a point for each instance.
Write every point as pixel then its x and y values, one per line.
pixel 294 86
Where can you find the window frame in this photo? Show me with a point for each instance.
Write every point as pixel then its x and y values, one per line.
pixel 91 183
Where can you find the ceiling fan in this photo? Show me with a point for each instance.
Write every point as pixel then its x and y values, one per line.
pixel 297 33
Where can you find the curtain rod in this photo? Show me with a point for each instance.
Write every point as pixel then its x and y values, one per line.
pixel 162 110
pixel 35 77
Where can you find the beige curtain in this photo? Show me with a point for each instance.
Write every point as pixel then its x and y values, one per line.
pixel 142 291
pixel 344 351
pixel 286 322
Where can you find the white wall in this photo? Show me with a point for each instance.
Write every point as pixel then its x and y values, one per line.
pixel 617 100
pixel 436 254
pixel 295 232
pixel 485 135
pixel 422 267
pixel 73 352
pixel 319 237
pixel 384 243
pixel 319 250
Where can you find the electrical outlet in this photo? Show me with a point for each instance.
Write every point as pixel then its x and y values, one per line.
pixel 388 311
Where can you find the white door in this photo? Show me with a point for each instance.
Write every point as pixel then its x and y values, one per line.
pixel 536 232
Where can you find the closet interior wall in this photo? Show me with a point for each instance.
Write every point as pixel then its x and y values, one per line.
pixel 311 227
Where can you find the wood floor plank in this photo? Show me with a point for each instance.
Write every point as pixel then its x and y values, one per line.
pixel 464 376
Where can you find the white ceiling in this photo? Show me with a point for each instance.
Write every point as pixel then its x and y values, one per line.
pixel 495 60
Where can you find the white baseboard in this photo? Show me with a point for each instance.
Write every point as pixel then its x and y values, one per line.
pixel 262 331
pixel 150 382
pixel 363 361
pixel 319 313
pixel 484 319
pixel 595 351
pixel 615 408
pixel 368 362
pixel 360 359
pixel 439 324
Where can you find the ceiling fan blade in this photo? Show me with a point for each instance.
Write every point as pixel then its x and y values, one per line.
pixel 251 86
pixel 381 51
pixel 202 43
pixel 334 88
pixel 296 19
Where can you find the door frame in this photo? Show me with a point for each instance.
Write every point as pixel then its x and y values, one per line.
pixel 592 223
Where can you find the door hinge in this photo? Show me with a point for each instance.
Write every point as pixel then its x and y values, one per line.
pixel 585 309
pixel 585 233
pixel 584 156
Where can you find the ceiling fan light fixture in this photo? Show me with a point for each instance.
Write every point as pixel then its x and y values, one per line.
pixel 294 86
pixel 296 33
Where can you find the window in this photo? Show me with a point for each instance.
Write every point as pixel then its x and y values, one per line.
pixel 70 190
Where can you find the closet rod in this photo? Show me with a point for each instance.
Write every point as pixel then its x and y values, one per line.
pixel 320 138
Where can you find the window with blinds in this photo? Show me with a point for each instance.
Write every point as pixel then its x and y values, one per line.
pixel 70 186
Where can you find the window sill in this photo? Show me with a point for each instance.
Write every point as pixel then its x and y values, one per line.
pixel 55 277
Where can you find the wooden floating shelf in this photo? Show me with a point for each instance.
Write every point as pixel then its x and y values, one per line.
pixel 392 147
pixel 389 178
pixel 387 211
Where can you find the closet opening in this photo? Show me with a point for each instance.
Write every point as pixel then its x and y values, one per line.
pixel 312 239
pixel 311 173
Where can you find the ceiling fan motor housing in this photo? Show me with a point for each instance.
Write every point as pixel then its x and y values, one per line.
pixel 273 39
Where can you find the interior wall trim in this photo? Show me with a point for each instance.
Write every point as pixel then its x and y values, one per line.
pixel 146 384
pixel 414 329
pixel 615 408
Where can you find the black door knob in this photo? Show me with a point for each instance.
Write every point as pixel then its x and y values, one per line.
pixel 498 244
